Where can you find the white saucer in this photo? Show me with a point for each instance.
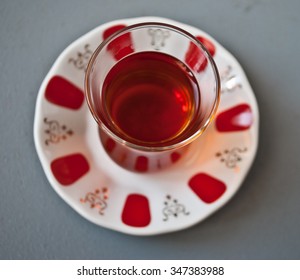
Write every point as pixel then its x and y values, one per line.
pixel 79 170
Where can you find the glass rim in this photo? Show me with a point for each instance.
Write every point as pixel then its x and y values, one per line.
pixel 88 91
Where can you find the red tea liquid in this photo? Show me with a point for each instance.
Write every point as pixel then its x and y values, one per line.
pixel 151 98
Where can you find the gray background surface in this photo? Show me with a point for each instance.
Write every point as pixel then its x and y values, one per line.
pixel 260 222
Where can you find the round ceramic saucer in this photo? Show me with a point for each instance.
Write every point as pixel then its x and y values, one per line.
pixel 83 175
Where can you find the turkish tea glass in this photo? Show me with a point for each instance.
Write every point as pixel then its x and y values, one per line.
pixel 152 40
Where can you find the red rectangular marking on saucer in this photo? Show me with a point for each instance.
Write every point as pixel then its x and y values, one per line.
pixel 61 92
pixel 121 46
pixel 206 187
pixel 235 119
pixel 136 211
pixel 196 59
pixel 68 169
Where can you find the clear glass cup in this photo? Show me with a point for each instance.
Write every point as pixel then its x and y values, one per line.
pixel 135 154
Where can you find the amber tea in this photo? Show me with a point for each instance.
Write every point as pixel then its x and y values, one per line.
pixel 150 97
